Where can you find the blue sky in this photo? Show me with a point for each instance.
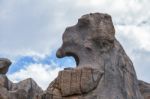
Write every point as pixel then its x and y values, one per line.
pixel 31 31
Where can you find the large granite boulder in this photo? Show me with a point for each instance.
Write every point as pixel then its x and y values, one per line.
pixel 93 44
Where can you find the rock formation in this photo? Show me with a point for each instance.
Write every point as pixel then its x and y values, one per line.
pixel 26 89
pixel 104 71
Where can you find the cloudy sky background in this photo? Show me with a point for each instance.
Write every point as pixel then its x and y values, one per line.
pixel 31 30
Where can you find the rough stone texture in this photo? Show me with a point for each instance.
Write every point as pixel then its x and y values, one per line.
pixel 145 89
pixel 3 93
pixel 27 86
pixel 76 81
pixel 26 89
pixel 4 82
pixel 93 44
pixel 4 65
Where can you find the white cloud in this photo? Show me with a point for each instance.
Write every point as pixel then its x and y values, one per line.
pixel 138 34
pixel 135 40
pixel 37 25
pixel 42 74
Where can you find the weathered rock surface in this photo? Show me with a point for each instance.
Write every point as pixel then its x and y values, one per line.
pixel 26 89
pixel 145 89
pixel 29 87
pixel 4 82
pixel 75 82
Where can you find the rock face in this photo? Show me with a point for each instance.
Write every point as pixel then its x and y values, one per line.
pixel 145 89
pixel 93 44
pixel 76 81
pixel 103 71
pixel 26 89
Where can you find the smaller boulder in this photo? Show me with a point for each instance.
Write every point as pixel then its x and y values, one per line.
pixel 4 65
pixel 28 86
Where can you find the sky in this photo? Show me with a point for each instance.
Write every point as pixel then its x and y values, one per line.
pixel 31 32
